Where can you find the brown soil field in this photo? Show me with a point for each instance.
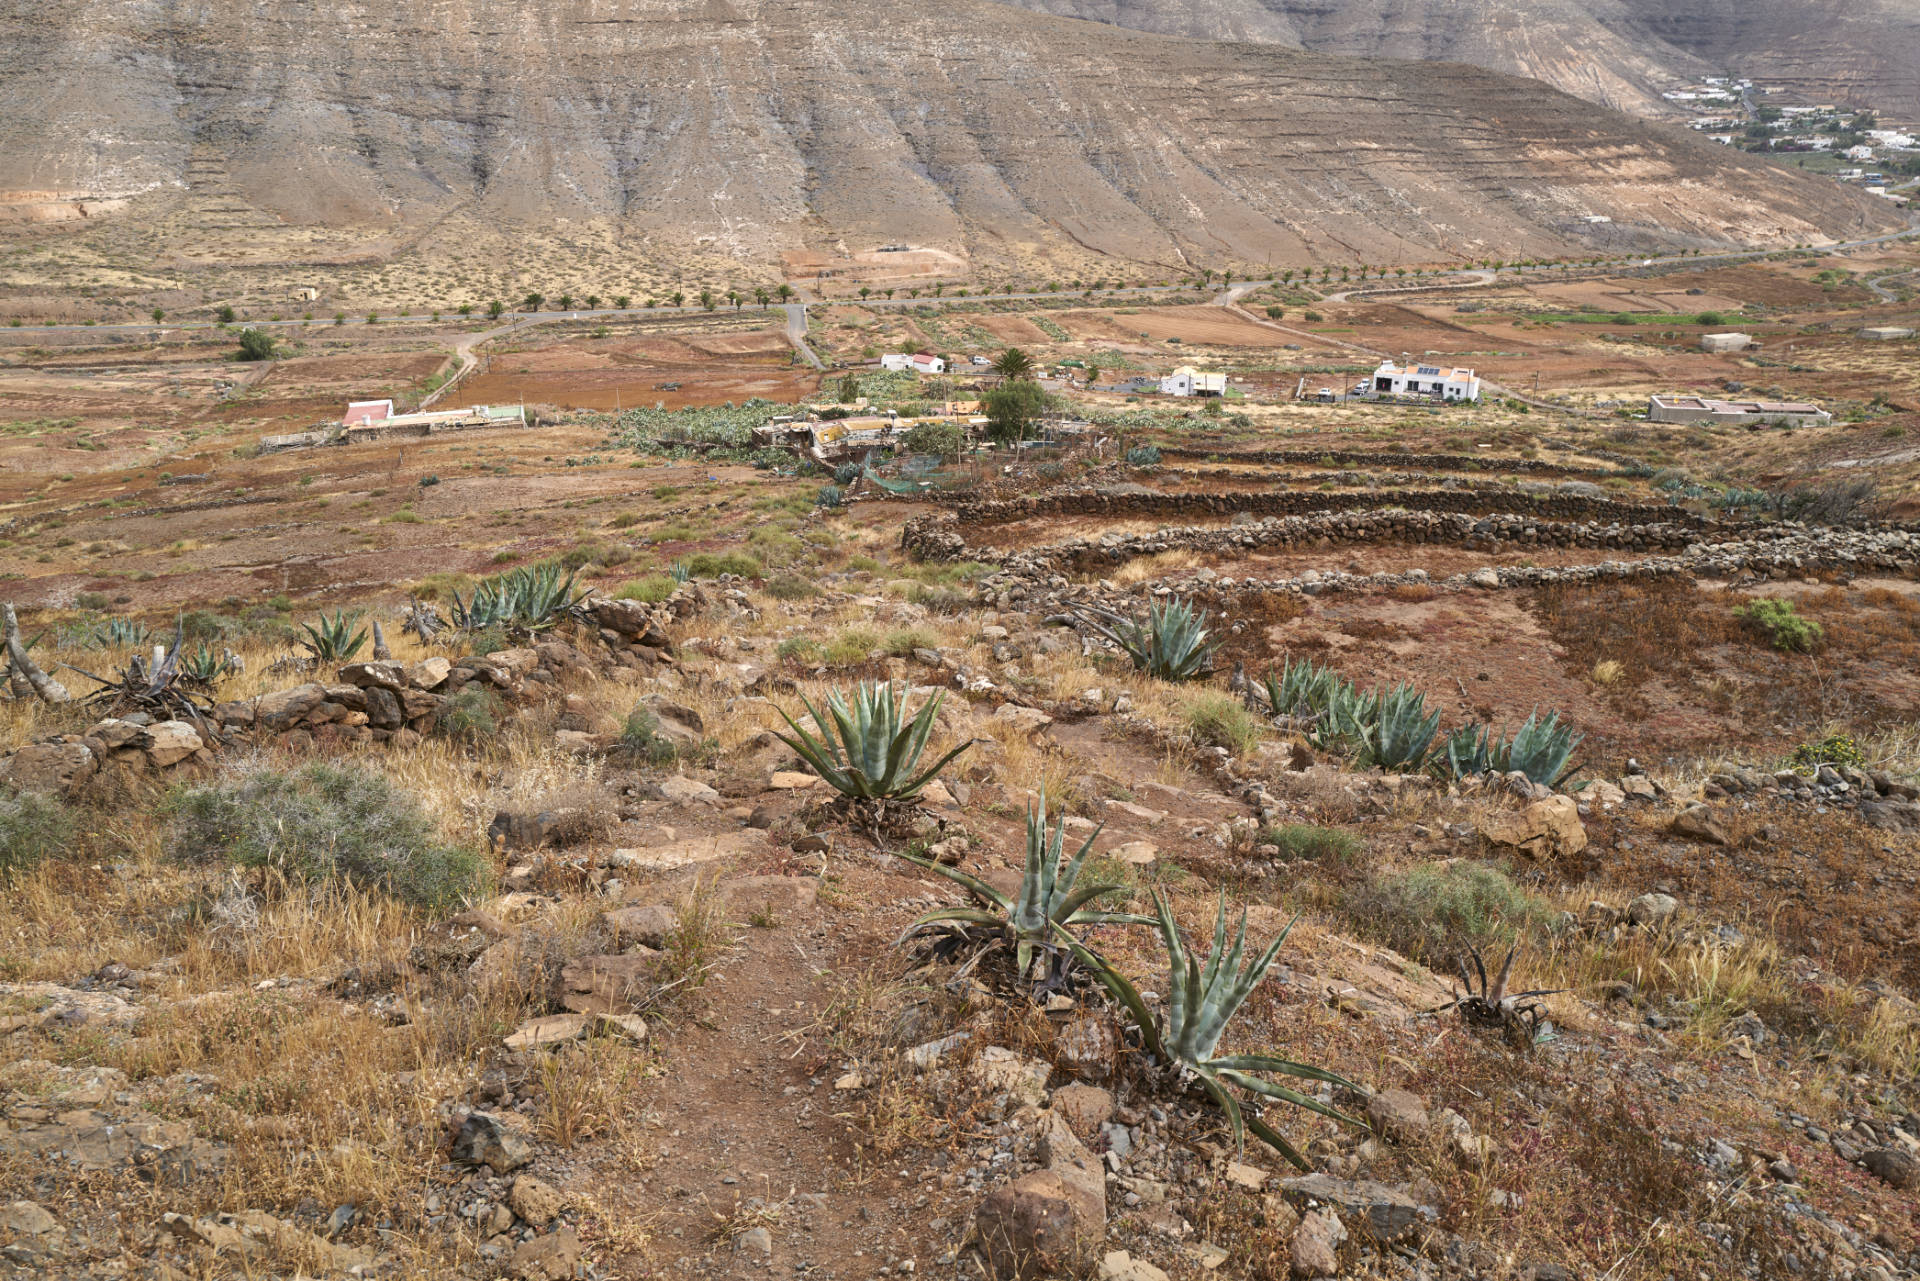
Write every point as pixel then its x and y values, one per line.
pixel 1197 326
pixel 607 388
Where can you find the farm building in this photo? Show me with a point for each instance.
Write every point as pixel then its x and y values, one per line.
pixel 1699 409
pixel 919 362
pixel 367 411
pixel 1885 333
pixel 1424 380
pixel 1188 381
pixel 1725 342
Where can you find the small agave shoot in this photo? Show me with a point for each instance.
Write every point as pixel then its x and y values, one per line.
pixel 1051 900
pixel 1170 645
pixel 335 639
pixel 1201 1001
pixel 867 749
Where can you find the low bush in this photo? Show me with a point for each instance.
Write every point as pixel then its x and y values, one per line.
pixel 1318 844
pixel 902 641
pixel 799 649
pixel 1780 622
pixel 714 564
pixel 1834 749
pixel 1221 720
pixel 326 823
pixel 855 645
pixel 471 716
pixel 652 589
pixel 1436 913
pixel 641 737
pixel 32 827
pixel 790 587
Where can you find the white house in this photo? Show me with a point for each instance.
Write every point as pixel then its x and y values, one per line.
pixel 368 411
pixel 1188 381
pixel 1425 380
pixel 919 362
pixel 896 361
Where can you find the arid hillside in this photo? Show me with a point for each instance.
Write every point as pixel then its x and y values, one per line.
pixel 1621 53
pixel 744 130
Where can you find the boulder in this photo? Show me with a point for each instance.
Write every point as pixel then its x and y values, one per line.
pixel 1051 1222
pixel 682 790
pixel 649 926
pixel 1893 1166
pixel 50 768
pixel 677 723
pixel 1696 824
pixel 612 984
pixel 553 1257
pixel 1652 910
pixel 1398 1115
pixel 1316 1245
pixel 1386 1213
pixel 428 673
pixel 1084 1107
pixel 379 674
pixel 27 1218
pixel 547 1031
pixel 999 1069
pixel 1543 829
pixel 486 1140
pixel 537 1202
pixel 171 742
pixel 284 708
pixel 1118 1265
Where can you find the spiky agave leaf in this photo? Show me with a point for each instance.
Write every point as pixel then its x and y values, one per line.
pixel 863 750
pixel 334 640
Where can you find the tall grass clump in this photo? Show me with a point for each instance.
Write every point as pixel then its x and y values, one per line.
pixel 1437 912
pixel 32 828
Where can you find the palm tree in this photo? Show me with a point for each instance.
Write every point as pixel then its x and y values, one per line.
pixel 889 293
pixel 706 299
pixel 495 307
pixel 1013 363
pixel 785 291
pixel 623 301
pixel 913 293
pixel 938 288
pixel 733 296
pixel 533 301
pixel 158 314
pixel 593 302
pixel 678 298
pixel 760 296
pixel 865 293
pixel 466 309
pixel 564 302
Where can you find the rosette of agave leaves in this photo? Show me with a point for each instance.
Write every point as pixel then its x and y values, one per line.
pixel 1201 1002
pixel 1036 922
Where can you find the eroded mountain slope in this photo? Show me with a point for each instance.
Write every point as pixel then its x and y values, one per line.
pixel 747 127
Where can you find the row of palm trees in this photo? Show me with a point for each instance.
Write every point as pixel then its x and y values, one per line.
pixel 707 298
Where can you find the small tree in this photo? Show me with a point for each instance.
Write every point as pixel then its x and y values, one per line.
pixel 706 299
pixel 944 439
pixel 849 389
pixel 733 296
pixel 225 314
pixel 255 344
pixel 865 293
pixel 785 291
pixel 158 314
pixel 496 307
pixel 564 302
pixel 623 301
pixel 466 309
pixel 760 295
pixel 593 302
pixel 1012 407
pixel 679 298
pixel 533 301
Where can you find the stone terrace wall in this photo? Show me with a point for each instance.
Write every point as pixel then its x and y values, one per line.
pixel 1123 505
pixel 1362 458
pixel 370 702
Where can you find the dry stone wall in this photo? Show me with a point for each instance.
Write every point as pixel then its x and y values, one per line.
pixel 369 702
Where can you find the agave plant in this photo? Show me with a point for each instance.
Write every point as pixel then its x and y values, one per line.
pixel 680 571
pixel 1539 749
pixel 206 667
pixel 1201 1001
pixel 1489 1004
pixel 1399 730
pixel 866 749
pixel 334 640
pixel 1171 644
pixel 121 633
pixel 1051 899
pixel 533 598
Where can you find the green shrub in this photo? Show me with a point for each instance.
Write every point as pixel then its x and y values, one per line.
pixel 1221 720
pixel 944 439
pixel 855 645
pixel 799 649
pixel 652 589
pixel 714 564
pixel 1776 618
pixel 472 715
pixel 1834 749
pixel 31 828
pixel 326 823
pixel 1320 844
pixel 790 587
pixel 902 641
pixel 1435 913
pixel 641 736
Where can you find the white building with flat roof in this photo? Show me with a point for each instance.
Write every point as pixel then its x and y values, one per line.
pixel 1436 381
pixel 1188 381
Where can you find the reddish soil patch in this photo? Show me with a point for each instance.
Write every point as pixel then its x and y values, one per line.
pixel 621 388
pixel 1198 326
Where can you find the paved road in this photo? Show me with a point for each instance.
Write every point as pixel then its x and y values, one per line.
pixel 797 333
